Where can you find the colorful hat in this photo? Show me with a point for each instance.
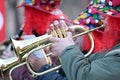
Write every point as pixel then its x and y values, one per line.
pixel 43 5
pixel 107 7
pixel 89 17
pixel 92 19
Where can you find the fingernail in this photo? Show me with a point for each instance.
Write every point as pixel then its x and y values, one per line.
pixel 62 17
pixel 51 25
pixel 62 23
pixel 56 22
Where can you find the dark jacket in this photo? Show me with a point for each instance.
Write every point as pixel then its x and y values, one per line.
pixel 54 75
pixel 104 67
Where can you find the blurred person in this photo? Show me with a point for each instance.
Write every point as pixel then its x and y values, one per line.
pixel 39 14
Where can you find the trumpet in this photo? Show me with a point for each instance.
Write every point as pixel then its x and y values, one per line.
pixel 31 45
pixel 24 48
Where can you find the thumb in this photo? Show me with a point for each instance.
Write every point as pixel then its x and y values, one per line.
pixel 69 35
pixel 54 39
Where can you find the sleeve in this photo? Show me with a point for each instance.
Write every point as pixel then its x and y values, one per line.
pixel 49 76
pixel 77 67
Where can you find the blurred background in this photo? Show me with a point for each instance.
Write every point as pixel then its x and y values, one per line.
pixel 11 18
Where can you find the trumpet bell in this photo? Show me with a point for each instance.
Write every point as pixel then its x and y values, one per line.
pixel 24 46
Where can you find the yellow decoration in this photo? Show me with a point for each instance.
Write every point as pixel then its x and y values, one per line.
pixel 99 1
pixel 33 1
pixel 47 8
pixel 83 16
pixel 76 21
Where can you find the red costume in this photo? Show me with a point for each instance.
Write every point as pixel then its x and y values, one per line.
pixel 110 34
pixel 39 14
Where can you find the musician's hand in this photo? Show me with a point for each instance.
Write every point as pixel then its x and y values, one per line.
pixel 36 63
pixel 59 44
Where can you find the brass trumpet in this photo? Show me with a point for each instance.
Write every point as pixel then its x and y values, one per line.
pixel 24 48
pixel 31 45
